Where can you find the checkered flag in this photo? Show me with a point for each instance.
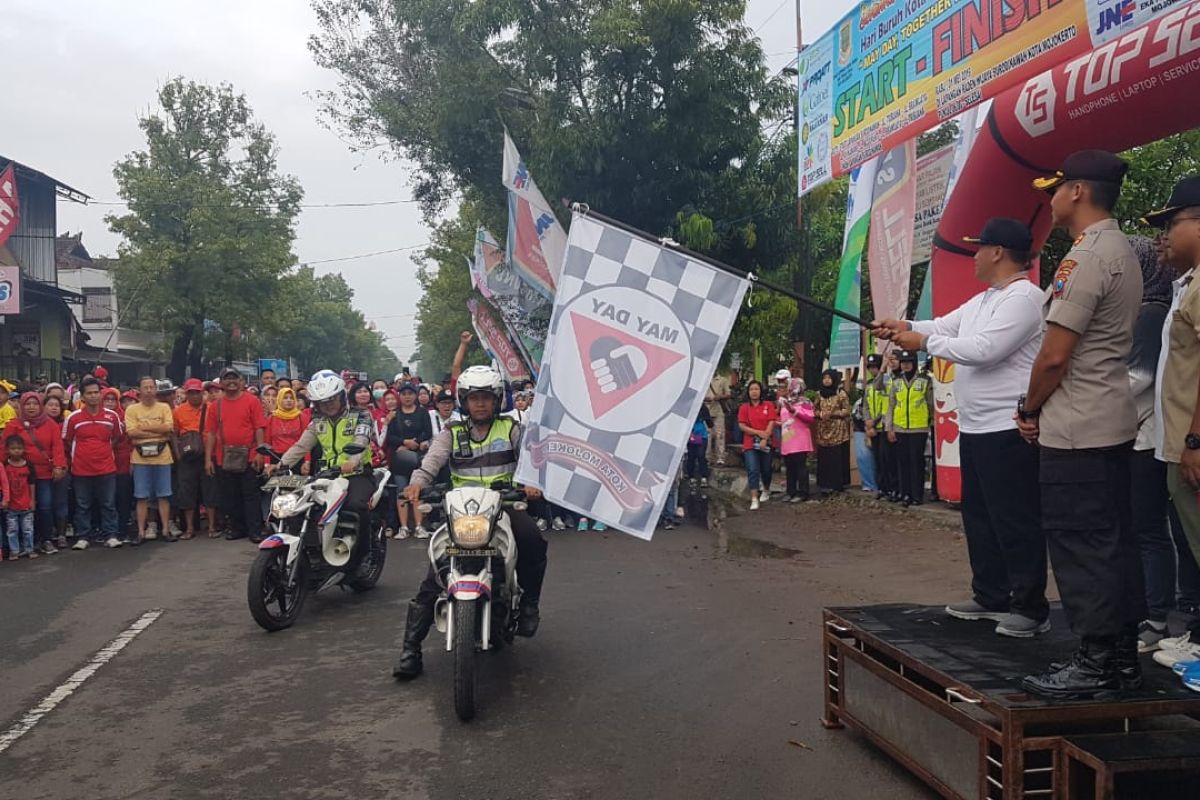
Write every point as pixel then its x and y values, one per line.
pixel 634 340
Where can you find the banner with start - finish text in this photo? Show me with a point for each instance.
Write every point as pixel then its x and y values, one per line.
pixel 636 334
pixel 891 69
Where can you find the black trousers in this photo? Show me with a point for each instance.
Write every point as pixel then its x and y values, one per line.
pixel 531 562
pixel 910 460
pixel 1002 517
pixel 884 453
pixel 239 495
pixel 1087 517
pixel 797 474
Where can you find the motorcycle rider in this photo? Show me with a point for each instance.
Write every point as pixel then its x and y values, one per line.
pixel 480 450
pixel 335 424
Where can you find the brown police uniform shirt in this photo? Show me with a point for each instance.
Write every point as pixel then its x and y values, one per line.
pixel 1181 377
pixel 1096 293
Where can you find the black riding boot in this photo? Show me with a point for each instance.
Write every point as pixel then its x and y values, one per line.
pixel 1090 674
pixel 416 628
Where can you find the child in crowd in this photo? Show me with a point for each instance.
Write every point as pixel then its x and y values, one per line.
pixel 796 413
pixel 697 447
pixel 17 500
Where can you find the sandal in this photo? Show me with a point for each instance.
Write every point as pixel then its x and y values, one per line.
pixel 215 534
pixel 187 535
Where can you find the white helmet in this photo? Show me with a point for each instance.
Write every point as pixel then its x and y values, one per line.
pixel 783 375
pixel 325 385
pixel 480 379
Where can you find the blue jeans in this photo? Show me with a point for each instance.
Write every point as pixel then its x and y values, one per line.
pixel 866 462
pixel 99 491
pixel 20 531
pixel 758 469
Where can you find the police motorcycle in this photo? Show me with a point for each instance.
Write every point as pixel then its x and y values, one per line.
pixel 312 546
pixel 474 555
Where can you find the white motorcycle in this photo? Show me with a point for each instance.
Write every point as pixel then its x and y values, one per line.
pixel 312 546
pixel 474 554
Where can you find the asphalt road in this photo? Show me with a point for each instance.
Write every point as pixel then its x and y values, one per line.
pixel 682 668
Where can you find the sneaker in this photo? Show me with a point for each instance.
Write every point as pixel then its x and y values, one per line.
pixel 704 482
pixel 1019 626
pixel 403 532
pixel 1150 635
pixel 680 512
pixel 388 533
pixel 972 611
pixel 48 548
pixel 754 504
pixel 61 543
pixel 558 525
pixel 1192 681
pixel 599 527
pixel 764 496
pixel 583 524
pixel 151 532
pixel 32 554
pixel 14 557
pixel 420 533
pixel 1173 651
pixel 80 544
pixel 174 529
pixel 1184 667
pixel 112 543
pixel 541 524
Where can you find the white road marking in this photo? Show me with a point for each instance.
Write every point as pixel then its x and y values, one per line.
pixel 68 687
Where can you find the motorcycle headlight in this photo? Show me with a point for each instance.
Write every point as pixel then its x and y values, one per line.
pixel 470 530
pixel 284 505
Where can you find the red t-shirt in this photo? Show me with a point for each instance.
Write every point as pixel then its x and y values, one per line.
pixel 48 443
pixel 757 417
pixel 20 489
pixel 239 419
pixel 283 433
pixel 91 439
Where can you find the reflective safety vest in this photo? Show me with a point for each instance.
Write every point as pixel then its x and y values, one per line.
pixel 912 410
pixel 475 463
pixel 334 434
pixel 877 399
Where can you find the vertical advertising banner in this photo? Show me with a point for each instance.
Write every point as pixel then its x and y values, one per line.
pixel 933 175
pixel 494 336
pixel 845 340
pixel 539 236
pixel 634 341
pixel 891 240
pixel 10 207
pixel 900 67
pixel 10 291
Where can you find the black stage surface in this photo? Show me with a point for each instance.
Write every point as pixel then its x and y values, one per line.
pixel 971 653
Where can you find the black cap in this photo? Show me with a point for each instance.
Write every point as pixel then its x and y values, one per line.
pixel 230 371
pixel 406 387
pixel 445 394
pixel 1004 232
pixel 1186 194
pixel 907 355
pixel 875 360
pixel 1086 165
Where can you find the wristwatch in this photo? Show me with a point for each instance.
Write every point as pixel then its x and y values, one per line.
pixel 1192 441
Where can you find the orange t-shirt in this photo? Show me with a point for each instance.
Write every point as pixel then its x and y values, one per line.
pixel 187 419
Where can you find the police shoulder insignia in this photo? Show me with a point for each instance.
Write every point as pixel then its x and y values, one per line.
pixel 1079 239
pixel 1062 275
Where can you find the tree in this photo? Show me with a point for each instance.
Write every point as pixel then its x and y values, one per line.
pixel 446 281
pixel 210 219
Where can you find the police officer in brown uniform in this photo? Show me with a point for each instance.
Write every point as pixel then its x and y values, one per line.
pixel 1080 410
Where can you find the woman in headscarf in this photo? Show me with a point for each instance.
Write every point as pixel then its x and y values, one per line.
pixel 1150 503
pixel 832 414
pixel 424 397
pixel 796 414
pixel 285 426
pixel 111 399
pixel 45 454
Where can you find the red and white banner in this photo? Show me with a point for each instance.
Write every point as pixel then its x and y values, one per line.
pixel 494 336
pixel 889 251
pixel 10 207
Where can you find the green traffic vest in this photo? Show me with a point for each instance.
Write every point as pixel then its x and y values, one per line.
pixel 482 463
pixel 912 410
pixel 877 399
pixel 334 434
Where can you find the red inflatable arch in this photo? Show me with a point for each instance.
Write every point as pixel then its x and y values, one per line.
pixel 1136 89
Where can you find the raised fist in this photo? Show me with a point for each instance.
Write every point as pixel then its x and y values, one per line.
pixel 465 337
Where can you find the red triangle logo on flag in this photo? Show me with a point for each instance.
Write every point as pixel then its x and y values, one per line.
pixel 616 364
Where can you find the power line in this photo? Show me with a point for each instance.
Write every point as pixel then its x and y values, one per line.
pixel 771 16
pixel 365 255
pixel 270 206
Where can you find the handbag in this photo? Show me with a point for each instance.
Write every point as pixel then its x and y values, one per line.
pixel 234 458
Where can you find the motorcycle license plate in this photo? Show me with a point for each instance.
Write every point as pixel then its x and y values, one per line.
pixel 285 482
pixel 459 552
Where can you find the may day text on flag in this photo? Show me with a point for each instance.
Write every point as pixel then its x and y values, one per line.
pixel 635 337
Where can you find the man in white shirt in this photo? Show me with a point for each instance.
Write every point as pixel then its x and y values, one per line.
pixel 993 340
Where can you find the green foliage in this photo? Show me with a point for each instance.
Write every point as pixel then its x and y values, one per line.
pixel 208 239
pixel 446 281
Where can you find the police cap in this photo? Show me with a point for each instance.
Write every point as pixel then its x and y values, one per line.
pixel 907 356
pixel 875 360
pixel 1086 165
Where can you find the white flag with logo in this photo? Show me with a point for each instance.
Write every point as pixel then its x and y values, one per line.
pixel 634 340
pixel 547 233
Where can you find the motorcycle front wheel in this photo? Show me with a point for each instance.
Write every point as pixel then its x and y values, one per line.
pixel 274 603
pixel 465 682
pixel 371 568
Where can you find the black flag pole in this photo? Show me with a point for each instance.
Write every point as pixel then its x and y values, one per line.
pixel 584 210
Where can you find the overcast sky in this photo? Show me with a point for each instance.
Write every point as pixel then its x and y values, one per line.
pixel 82 71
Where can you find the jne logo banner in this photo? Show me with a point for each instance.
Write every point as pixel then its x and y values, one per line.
pixel 891 69
pixel 635 337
